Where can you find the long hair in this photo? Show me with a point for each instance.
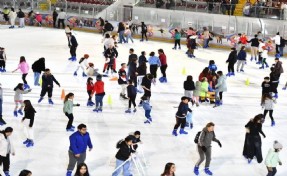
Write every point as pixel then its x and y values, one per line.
pixel 258 117
pixel 79 168
pixel 19 86
pixel 89 79
pixel 28 104
pixel 264 97
pixel 68 96
pixel 25 173
pixel 22 59
pixel 167 169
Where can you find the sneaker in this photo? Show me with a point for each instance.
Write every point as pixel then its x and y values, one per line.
pixel 207 171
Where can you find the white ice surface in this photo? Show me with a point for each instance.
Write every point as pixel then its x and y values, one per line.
pixel 49 156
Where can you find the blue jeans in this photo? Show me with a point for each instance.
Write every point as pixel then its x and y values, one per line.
pixel 147 113
pixel 121 36
pixel 129 37
pixel 125 167
pixel 205 43
pixel 1 102
pixel 99 100
pixel 36 78
pixel 281 50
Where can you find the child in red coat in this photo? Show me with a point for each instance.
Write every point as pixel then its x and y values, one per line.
pixel 99 94
pixel 90 88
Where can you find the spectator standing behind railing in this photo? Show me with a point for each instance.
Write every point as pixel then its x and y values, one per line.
pixel 247 8
pixel 61 19
pixel 223 6
pixel 55 16
pixel 233 5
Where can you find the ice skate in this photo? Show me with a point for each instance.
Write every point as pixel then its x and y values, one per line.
pixel 30 144
pixel 207 171
pixel 273 123
pixel 50 101
pixel 182 131
pixel 41 98
pixel 26 142
pixel 195 170
pixel 15 114
pixel 128 111
pixel 174 132
pixel 20 112
pixel 84 74
pixel 70 130
pixel 75 73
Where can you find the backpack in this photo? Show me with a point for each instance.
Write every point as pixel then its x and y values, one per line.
pixel 118 145
pixel 197 137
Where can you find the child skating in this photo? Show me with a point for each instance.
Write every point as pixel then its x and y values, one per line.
pixel 28 125
pixel 18 98
pixel 122 81
pixel 2 122
pixel 132 94
pixel 232 58
pixel 83 64
pixel 3 59
pixel 272 158
pixel 267 104
pixel 24 68
pixel 99 91
pixel 90 88
pixel 147 109
pixel 68 110
pixel 264 56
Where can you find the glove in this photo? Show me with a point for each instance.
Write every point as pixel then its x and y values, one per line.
pixel 219 144
pixel 203 148
pixel 59 85
pixel 280 163
pixel 77 104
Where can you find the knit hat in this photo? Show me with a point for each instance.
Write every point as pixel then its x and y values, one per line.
pixel 86 56
pixel 99 78
pixel 277 145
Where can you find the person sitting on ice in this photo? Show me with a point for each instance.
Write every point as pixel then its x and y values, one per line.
pixel 83 63
pixel 91 71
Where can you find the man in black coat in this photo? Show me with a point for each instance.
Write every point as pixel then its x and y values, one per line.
pixel 37 67
pixel 47 85
pixel 108 28
pixel 55 16
pixel 232 58
pixel 73 44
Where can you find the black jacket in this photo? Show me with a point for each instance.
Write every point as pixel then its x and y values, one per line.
pixel 72 41
pixel 232 58
pixel 121 73
pixel 266 87
pixel 39 65
pixel 124 151
pixel 254 42
pixel 108 27
pixel 132 91
pixel 55 15
pixel 121 28
pixel 188 85
pixel 132 57
pixel 146 82
pixel 47 81
pixel 111 53
pixel 132 69
pixel 29 114
pixel 254 128
pixel 144 28
pixel 182 110
pixel 142 59
pixel 20 14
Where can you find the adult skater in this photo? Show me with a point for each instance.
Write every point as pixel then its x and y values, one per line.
pixel 169 170
pixel 220 87
pixel 28 126
pixel 123 157
pixel 146 85
pixel 277 41
pixel 232 58
pixel 274 81
pixel 73 44
pixel 252 145
pixel 142 58
pixel 2 122
pixel 61 19
pixel 241 59
pixel 3 59
pixel 122 81
pixel 272 158
pixel 108 28
pixel 154 63
pixel 82 170
pixel 24 68
pixel 163 65
pixel 144 31
pixel 83 64
pixel 110 54
pixel 181 116
pixel 79 141
pixel 132 57
pixel 254 47
pixel 55 16
pixel 278 69
pixel 38 66
pixel 47 85
pixel 121 31
pixel 21 17
pixel 12 16
pixel 207 135
pixel 6 148
pixel 68 110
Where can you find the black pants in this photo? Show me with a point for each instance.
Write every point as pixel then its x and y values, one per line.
pixel 24 78
pixel 54 22
pixel 71 119
pixel 61 21
pixel 90 95
pixel 260 57
pixel 273 172
pixel 132 100
pixel 220 95
pixel 270 114
pixel 163 70
pixel 274 87
pixel 153 70
pixel 232 9
pixel 2 64
pixel 144 34
pixel 176 42
pixel 277 49
pixel 6 162
pixel 231 67
pixel 133 77
pixel 45 90
pixel 73 51
pixel 179 122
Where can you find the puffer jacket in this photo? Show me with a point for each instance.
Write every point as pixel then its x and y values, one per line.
pixel 272 158
pixel 206 137
pixel 221 84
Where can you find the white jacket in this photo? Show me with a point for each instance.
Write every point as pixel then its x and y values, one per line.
pixel 269 104
pixel 62 15
pixel 264 54
pixel 6 145
pixel 276 39
pixel 18 94
pixel 260 49
pixel 12 15
pixel 108 42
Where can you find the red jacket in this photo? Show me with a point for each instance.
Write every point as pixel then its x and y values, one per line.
pixel 99 88
pixel 90 87
pixel 162 58
pixel 243 40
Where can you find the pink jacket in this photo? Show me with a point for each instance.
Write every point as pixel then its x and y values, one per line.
pixel 24 67
pixel 39 17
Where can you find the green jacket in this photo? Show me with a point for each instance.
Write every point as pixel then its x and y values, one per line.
pixel 68 107
pixel 204 90
pixel 6 11
pixel 177 36
pixel 272 158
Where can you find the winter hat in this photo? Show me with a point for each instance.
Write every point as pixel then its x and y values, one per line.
pixel 86 56
pixel 99 78
pixel 277 145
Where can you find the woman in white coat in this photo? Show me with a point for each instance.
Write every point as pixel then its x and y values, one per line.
pixel 12 16
pixel 6 148
pixel 220 87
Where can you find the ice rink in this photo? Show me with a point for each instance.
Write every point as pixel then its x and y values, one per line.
pixel 49 156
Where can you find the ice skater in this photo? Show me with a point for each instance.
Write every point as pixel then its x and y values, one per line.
pixel 24 68
pixel 147 109
pixel 28 127
pixel 163 65
pixel 3 60
pixel 146 86
pixel 110 54
pixel 220 87
pixel 73 44
pixel 90 88
pixel 12 16
pixel 154 63
pixel 169 170
pixel 2 122
pixel 177 37
pixel 267 104
pixel 6 148
pixel 232 58
pixel 132 94
pixel 144 31
pixel 99 90
pixel 47 86
pixel 181 116
pixel 189 87
pixel 264 56
pixel 18 98
pixel 241 59
pixel 191 45
pixel 79 142
pixel 204 147
pixel 37 67
pixel 122 81
pixel 272 158
pixel 83 64
pixel 68 110
pixel 212 67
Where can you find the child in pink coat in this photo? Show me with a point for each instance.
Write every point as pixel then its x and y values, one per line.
pixel 39 18
pixel 24 68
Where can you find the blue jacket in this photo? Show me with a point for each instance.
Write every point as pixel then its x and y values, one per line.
pixel 154 60
pixel 212 67
pixel 79 142
pixel 241 55
pixel 182 110
pixel 146 105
